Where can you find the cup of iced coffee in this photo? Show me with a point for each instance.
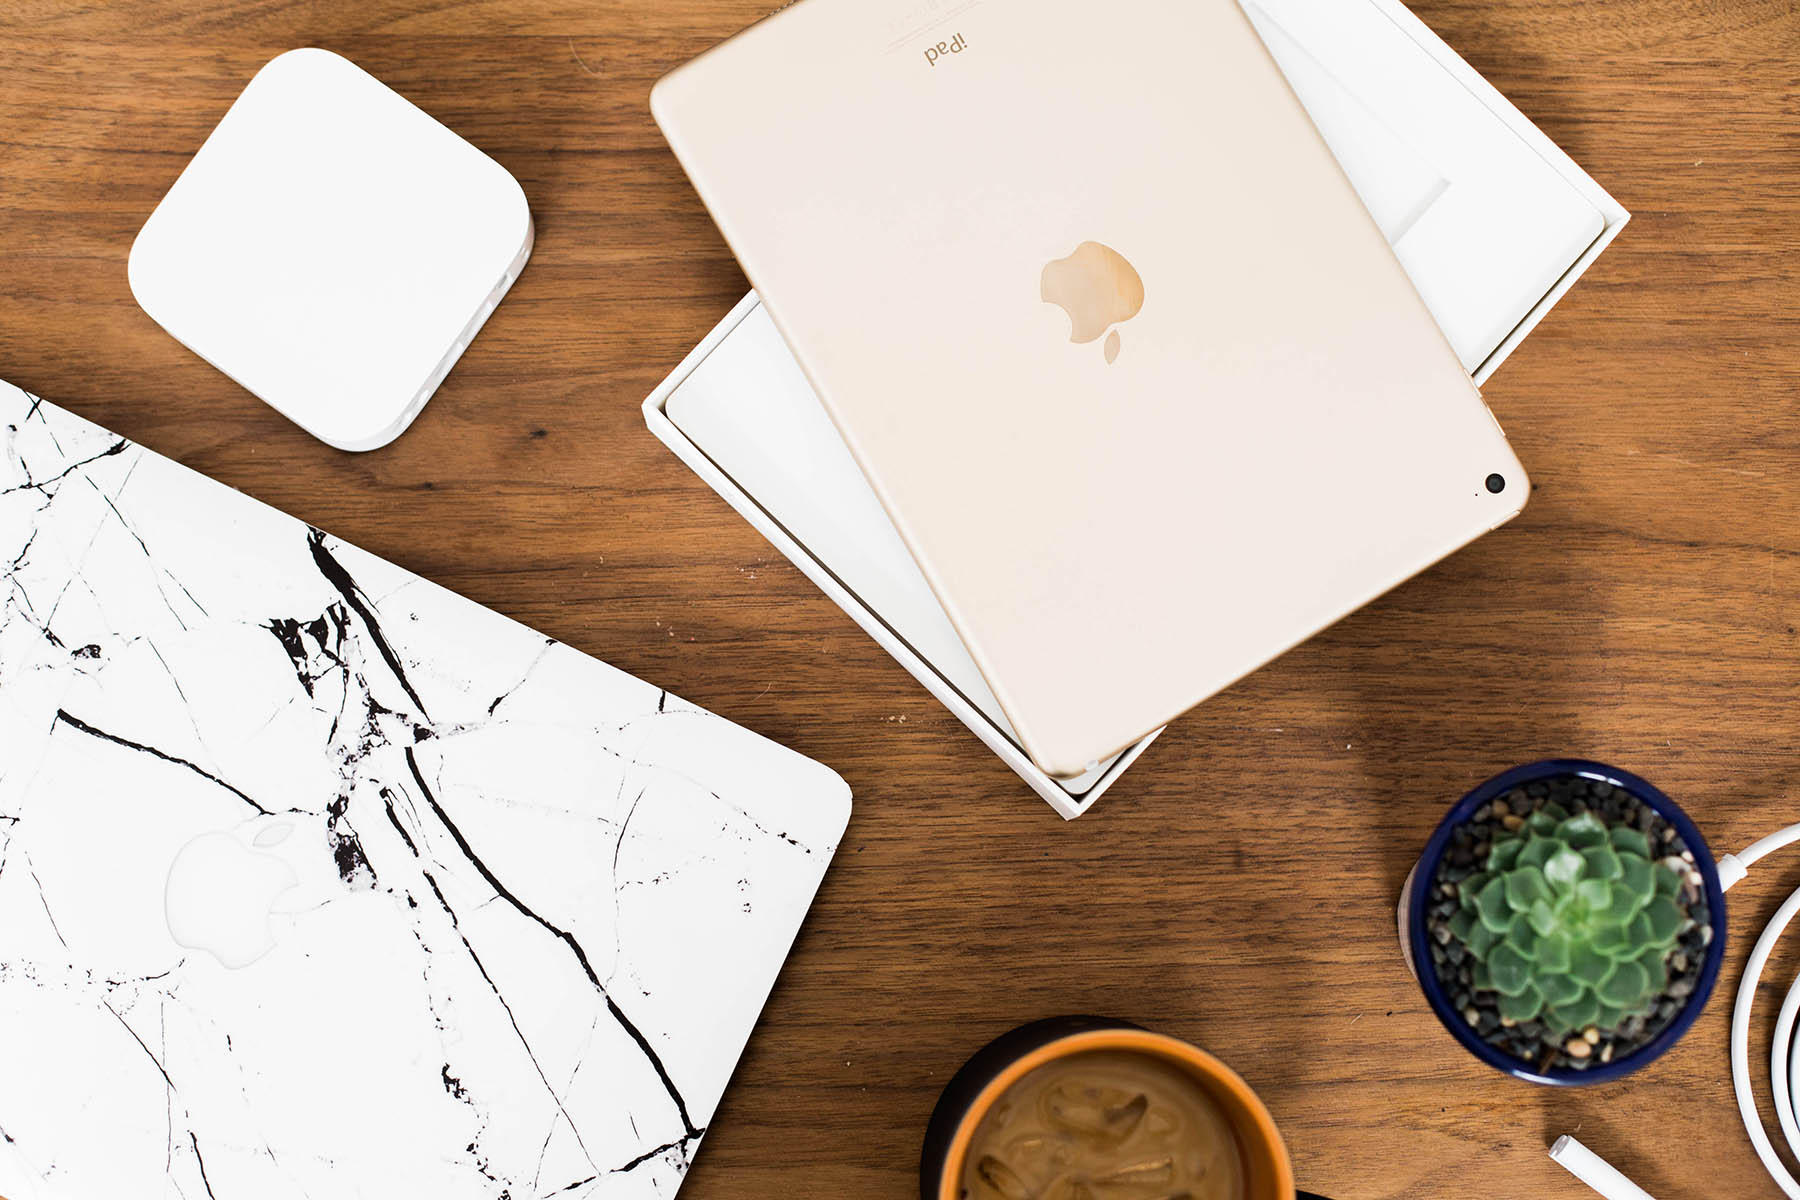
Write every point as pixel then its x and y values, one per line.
pixel 1086 1108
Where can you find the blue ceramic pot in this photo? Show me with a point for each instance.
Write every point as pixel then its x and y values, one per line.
pixel 1416 933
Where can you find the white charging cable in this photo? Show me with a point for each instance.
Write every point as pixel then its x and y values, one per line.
pixel 1595 1171
pixel 1782 1064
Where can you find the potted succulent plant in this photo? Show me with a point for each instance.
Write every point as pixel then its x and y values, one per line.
pixel 1564 921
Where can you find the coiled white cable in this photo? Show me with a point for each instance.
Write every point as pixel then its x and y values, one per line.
pixel 1782 1060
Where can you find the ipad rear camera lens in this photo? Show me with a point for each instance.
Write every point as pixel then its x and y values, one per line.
pixel 1496 484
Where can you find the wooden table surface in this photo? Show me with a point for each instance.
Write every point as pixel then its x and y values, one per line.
pixel 1237 887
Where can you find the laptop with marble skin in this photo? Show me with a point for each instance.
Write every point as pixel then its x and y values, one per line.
pixel 319 880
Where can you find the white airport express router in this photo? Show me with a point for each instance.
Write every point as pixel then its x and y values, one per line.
pixel 333 248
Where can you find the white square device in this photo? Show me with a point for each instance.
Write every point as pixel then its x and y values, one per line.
pixel 333 248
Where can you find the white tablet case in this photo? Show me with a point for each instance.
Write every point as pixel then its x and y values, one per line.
pixel 1491 220
pixel 536 908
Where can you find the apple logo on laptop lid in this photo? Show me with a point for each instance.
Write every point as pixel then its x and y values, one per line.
pixel 1098 288
pixel 221 890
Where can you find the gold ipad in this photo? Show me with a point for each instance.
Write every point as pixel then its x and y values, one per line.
pixel 1135 375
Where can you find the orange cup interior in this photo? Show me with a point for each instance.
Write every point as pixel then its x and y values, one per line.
pixel 1268 1173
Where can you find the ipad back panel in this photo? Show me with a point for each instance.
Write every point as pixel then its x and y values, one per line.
pixel 1260 426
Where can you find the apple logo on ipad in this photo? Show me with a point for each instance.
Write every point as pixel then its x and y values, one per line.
pixel 1098 289
pixel 221 890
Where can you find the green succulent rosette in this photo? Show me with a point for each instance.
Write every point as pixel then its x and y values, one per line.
pixel 1570 922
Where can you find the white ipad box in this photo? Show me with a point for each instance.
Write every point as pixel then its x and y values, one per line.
pixel 1492 221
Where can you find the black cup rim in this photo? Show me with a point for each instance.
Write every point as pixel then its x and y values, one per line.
pixel 968 1082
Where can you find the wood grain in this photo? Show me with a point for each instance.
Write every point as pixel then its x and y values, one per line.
pixel 1237 887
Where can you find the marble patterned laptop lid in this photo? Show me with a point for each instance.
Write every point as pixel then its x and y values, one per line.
pixel 319 880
